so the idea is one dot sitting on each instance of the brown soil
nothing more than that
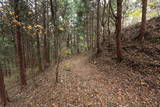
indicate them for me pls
(134, 82)
(82, 84)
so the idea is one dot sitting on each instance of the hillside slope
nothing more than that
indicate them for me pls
(141, 62)
(140, 56)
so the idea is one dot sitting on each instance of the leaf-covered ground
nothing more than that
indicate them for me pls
(103, 82)
(83, 84)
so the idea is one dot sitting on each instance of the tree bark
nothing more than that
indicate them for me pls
(68, 40)
(108, 23)
(143, 25)
(87, 32)
(92, 30)
(98, 26)
(48, 34)
(19, 47)
(103, 23)
(118, 29)
(78, 50)
(38, 42)
(3, 94)
(56, 35)
(45, 42)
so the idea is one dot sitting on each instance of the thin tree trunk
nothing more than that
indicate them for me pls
(75, 42)
(45, 50)
(3, 94)
(39, 54)
(92, 30)
(108, 23)
(19, 47)
(143, 25)
(98, 26)
(87, 28)
(24, 53)
(78, 50)
(103, 21)
(38, 43)
(54, 19)
(71, 43)
(118, 29)
(57, 42)
(68, 40)
(48, 34)
(90, 34)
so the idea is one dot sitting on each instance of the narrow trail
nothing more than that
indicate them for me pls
(81, 67)
(91, 84)
(84, 85)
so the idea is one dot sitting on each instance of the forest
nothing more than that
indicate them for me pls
(79, 53)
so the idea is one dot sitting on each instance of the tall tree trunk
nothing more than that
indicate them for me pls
(143, 25)
(118, 29)
(38, 42)
(57, 42)
(68, 40)
(48, 35)
(54, 20)
(45, 50)
(71, 47)
(87, 32)
(19, 46)
(3, 95)
(24, 53)
(78, 50)
(39, 54)
(108, 23)
(74, 47)
(98, 26)
(103, 20)
(109, 31)
(92, 30)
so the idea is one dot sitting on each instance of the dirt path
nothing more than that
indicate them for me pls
(81, 67)
(84, 85)
(89, 83)
(112, 86)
